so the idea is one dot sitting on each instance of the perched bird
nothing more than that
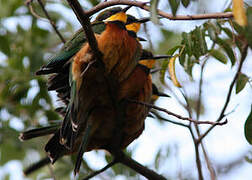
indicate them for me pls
(138, 87)
(148, 59)
(58, 66)
(77, 41)
(90, 112)
(90, 121)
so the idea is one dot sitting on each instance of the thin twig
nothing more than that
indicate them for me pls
(101, 170)
(143, 5)
(29, 4)
(187, 106)
(176, 115)
(131, 163)
(196, 147)
(198, 107)
(243, 56)
(167, 120)
(208, 162)
(51, 21)
(197, 155)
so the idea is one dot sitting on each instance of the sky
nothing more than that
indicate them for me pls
(223, 144)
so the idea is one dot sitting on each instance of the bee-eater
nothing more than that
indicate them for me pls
(90, 113)
(90, 97)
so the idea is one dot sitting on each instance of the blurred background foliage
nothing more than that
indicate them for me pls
(26, 43)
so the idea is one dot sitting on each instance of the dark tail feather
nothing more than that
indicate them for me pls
(82, 148)
(54, 149)
(58, 81)
(44, 71)
(61, 111)
(39, 132)
(37, 166)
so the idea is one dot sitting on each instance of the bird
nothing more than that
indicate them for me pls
(91, 113)
(148, 59)
(68, 137)
(137, 87)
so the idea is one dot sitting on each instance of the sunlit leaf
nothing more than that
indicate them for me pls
(217, 54)
(248, 128)
(171, 70)
(239, 12)
(241, 82)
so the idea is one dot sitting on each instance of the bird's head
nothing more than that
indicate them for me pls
(134, 24)
(116, 16)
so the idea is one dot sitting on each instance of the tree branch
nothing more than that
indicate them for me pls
(143, 5)
(101, 170)
(131, 163)
(222, 115)
(83, 18)
(167, 120)
(176, 115)
(51, 21)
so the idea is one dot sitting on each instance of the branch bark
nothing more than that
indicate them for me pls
(143, 5)
(83, 18)
(131, 163)
(101, 170)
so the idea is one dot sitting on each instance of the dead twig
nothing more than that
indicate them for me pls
(51, 21)
(176, 115)
(101, 170)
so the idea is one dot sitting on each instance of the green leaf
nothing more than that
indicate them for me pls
(217, 54)
(182, 56)
(228, 32)
(185, 3)
(154, 16)
(248, 29)
(241, 82)
(163, 70)
(212, 29)
(174, 6)
(239, 29)
(94, 2)
(202, 41)
(248, 128)
(196, 44)
(227, 49)
(188, 43)
(172, 50)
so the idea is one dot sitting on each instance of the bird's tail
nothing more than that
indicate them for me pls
(41, 163)
(54, 149)
(38, 132)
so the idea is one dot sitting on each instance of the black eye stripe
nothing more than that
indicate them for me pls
(107, 13)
